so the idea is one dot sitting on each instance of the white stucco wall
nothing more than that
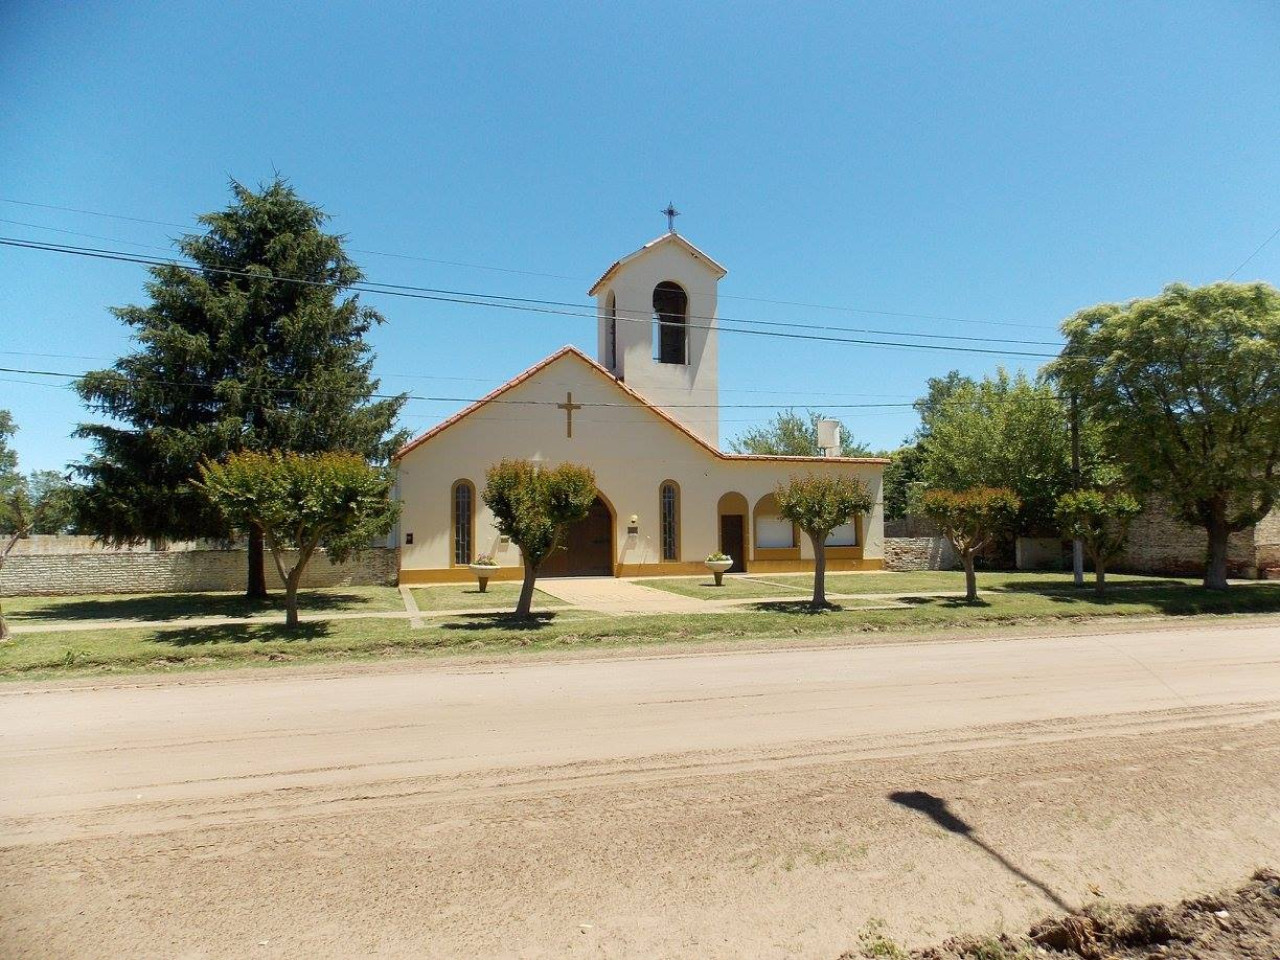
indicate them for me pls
(632, 451)
(674, 387)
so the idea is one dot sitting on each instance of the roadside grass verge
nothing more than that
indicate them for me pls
(178, 606)
(467, 596)
(38, 655)
(746, 586)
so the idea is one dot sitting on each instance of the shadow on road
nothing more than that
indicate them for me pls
(935, 808)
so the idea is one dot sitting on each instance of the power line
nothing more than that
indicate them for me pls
(559, 383)
(551, 276)
(1246, 260)
(646, 318)
(641, 418)
(629, 405)
(521, 304)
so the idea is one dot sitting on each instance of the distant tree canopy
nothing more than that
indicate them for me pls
(903, 481)
(1187, 387)
(43, 501)
(1008, 432)
(258, 346)
(792, 434)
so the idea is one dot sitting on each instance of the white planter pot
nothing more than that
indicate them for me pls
(718, 567)
(483, 572)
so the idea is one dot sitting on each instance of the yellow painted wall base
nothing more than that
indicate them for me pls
(457, 575)
(464, 575)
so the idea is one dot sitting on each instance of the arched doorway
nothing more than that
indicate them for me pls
(732, 510)
(588, 547)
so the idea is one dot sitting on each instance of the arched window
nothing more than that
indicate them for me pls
(611, 332)
(464, 522)
(670, 308)
(669, 514)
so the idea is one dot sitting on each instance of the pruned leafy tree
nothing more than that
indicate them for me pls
(791, 434)
(818, 504)
(260, 345)
(302, 502)
(1187, 385)
(971, 519)
(534, 506)
(1101, 519)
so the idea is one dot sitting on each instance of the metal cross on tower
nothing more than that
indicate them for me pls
(670, 213)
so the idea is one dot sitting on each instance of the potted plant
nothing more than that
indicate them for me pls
(718, 563)
(483, 567)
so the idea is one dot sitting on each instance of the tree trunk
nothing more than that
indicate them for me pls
(1215, 571)
(291, 600)
(1099, 576)
(525, 606)
(4, 626)
(819, 570)
(970, 577)
(256, 588)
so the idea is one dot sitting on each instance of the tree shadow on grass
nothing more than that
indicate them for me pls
(242, 633)
(945, 603)
(1068, 588)
(797, 607)
(176, 606)
(1179, 600)
(935, 808)
(538, 620)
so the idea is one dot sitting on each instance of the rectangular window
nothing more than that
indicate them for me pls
(773, 533)
(844, 536)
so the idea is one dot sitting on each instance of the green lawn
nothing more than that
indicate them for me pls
(467, 596)
(178, 606)
(926, 581)
(167, 647)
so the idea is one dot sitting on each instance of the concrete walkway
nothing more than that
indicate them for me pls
(613, 595)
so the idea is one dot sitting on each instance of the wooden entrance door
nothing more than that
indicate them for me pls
(733, 540)
(588, 547)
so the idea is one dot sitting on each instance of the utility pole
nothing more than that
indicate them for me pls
(1077, 545)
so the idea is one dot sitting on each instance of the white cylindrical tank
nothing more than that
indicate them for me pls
(829, 437)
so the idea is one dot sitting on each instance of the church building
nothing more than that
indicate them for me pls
(644, 416)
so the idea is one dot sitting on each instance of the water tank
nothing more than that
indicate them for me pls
(829, 437)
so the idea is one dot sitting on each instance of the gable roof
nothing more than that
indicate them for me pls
(572, 351)
(666, 238)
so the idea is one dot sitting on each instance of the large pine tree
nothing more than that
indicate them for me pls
(259, 346)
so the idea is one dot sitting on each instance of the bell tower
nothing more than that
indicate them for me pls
(657, 328)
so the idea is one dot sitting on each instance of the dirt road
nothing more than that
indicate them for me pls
(722, 805)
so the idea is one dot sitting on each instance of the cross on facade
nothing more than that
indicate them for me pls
(670, 213)
(568, 407)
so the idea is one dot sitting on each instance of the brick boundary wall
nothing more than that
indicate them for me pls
(918, 553)
(40, 573)
(1160, 543)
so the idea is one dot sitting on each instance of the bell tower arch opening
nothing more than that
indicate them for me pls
(670, 323)
(657, 329)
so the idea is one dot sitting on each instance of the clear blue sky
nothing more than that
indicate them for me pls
(992, 162)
